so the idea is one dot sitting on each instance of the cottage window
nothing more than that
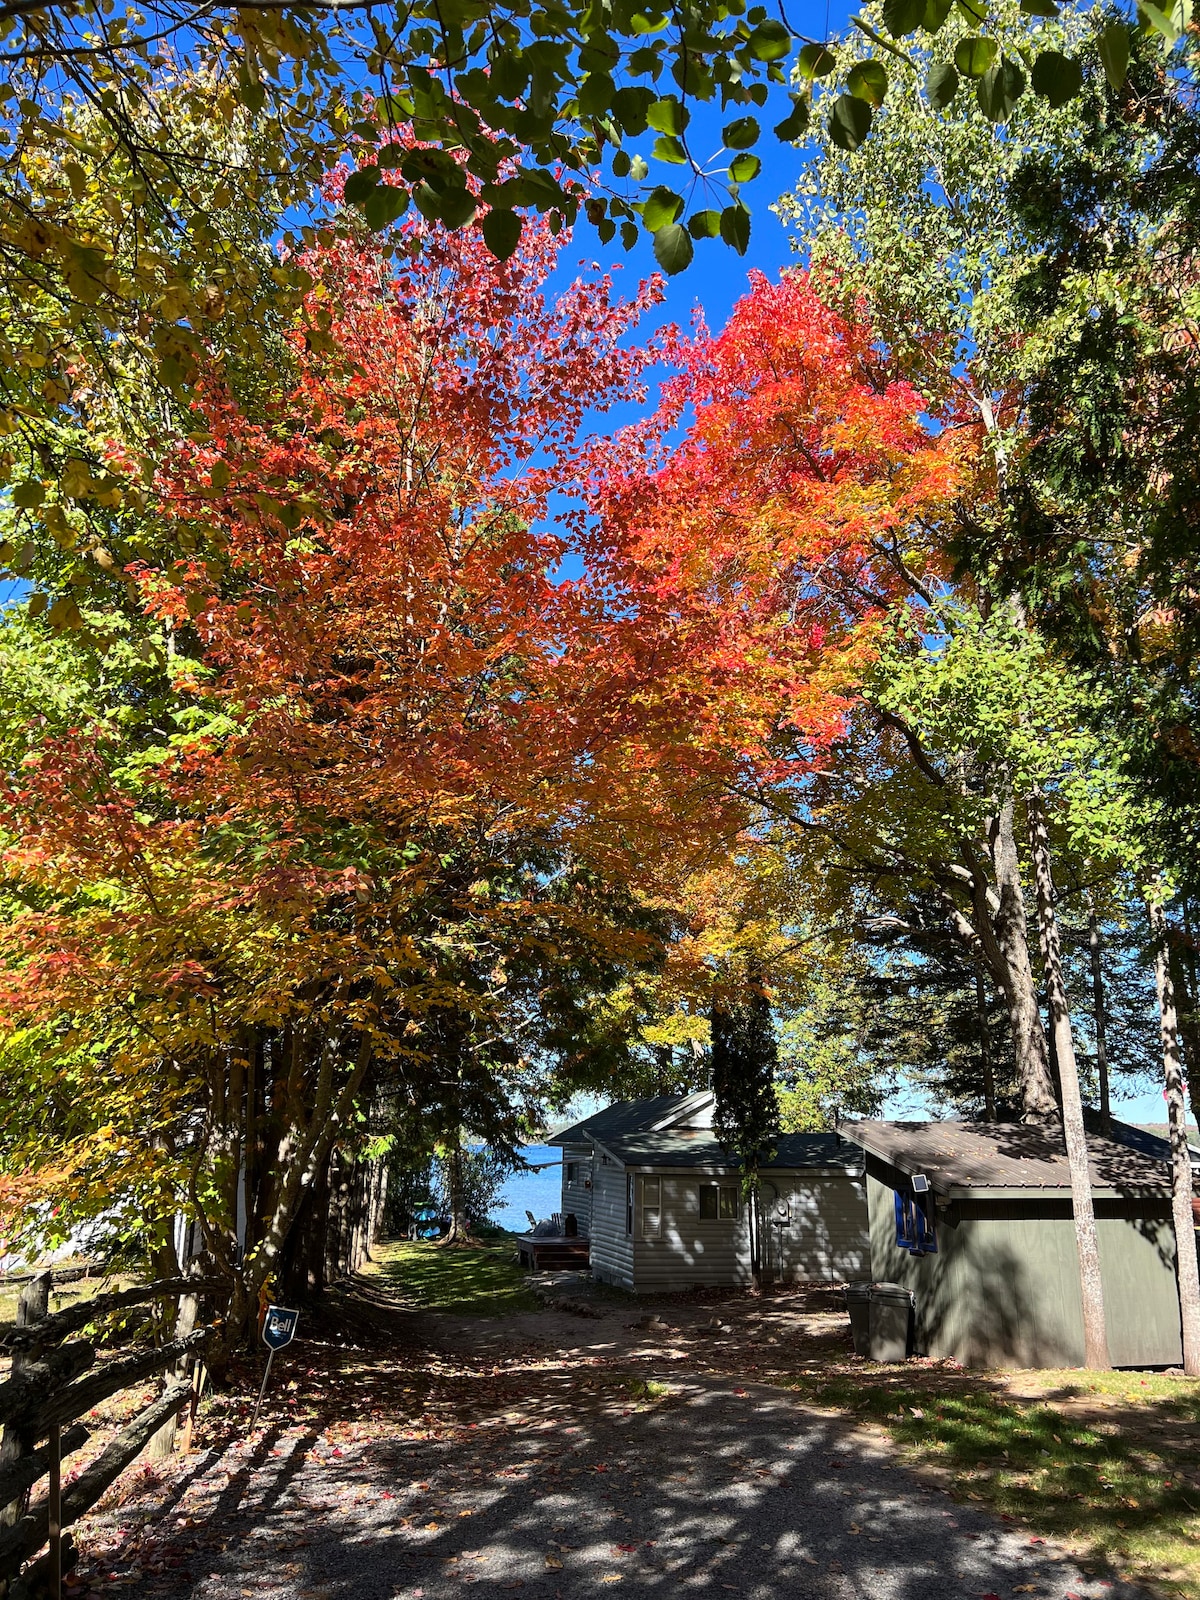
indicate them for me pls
(572, 1171)
(718, 1202)
(629, 1204)
(651, 1208)
(914, 1231)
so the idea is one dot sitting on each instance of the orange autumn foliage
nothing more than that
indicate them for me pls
(428, 799)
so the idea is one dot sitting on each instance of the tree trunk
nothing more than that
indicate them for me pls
(985, 1048)
(302, 1274)
(1098, 1016)
(162, 1443)
(1181, 947)
(460, 1225)
(1095, 1336)
(754, 1223)
(1181, 1161)
(1016, 974)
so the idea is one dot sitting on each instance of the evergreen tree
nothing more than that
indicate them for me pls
(744, 1066)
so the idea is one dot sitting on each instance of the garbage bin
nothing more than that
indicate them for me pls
(891, 1311)
(858, 1303)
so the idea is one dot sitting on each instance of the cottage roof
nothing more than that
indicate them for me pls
(624, 1116)
(1015, 1155)
(700, 1147)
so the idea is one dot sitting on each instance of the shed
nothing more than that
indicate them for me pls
(668, 1213)
(661, 1200)
(976, 1219)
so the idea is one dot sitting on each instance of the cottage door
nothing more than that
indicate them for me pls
(777, 1215)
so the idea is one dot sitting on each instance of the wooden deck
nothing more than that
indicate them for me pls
(552, 1252)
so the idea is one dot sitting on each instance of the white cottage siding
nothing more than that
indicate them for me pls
(577, 1194)
(825, 1238)
(611, 1246)
(690, 1251)
(827, 1235)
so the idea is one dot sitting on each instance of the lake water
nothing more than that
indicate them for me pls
(539, 1192)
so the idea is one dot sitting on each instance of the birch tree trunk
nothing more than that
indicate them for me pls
(1016, 975)
(1181, 1161)
(1095, 1336)
(985, 1048)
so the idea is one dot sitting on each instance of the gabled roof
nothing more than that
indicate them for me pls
(700, 1148)
(625, 1116)
(1015, 1155)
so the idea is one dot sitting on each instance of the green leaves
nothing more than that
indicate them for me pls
(1113, 45)
(867, 80)
(668, 116)
(631, 107)
(795, 125)
(501, 232)
(1163, 22)
(903, 16)
(744, 168)
(769, 41)
(661, 207)
(509, 73)
(974, 55)
(673, 248)
(849, 121)
(705, 225)
(735, 228)
(816, 61)
(740, 135)
(360, 184)
(27, 495)
(941, 85)
(670, 150)
(998, 91)
(385, 204)
(1056, 77)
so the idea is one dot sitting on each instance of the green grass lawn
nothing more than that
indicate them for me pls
(1104, 1463)
(481, 1281)
(65, 1294)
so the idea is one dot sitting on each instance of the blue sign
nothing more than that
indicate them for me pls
(279, 1327)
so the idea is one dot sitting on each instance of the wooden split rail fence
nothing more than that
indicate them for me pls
(54, 1381)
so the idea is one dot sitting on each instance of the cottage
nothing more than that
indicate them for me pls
(975, 1218)
(660, 1200)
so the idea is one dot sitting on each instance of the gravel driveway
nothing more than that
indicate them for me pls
(551, 1473)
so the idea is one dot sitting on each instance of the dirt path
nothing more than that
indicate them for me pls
(561, 1455)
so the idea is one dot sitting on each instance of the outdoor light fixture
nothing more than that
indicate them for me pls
(920, 1183)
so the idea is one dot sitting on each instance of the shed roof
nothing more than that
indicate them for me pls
(1015, 1155)
(700, 1147)
(623, 1116)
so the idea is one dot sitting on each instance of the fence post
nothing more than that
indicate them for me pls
(55, 1512)
(32, 1306)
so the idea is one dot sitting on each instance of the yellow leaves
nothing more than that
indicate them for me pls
(76, 479)
(174, 303)
(76, 177)
(65, 613)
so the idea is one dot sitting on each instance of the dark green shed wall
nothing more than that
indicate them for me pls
(1003, 1288)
